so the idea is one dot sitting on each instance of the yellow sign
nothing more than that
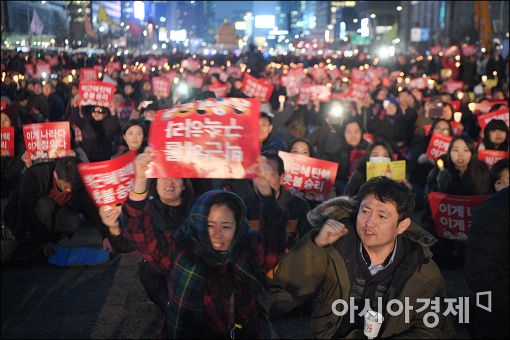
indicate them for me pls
(395, 170)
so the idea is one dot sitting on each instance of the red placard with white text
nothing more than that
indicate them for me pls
(311, 92)
(98, 68)
(161, 87)
(89, 74)
(195, 81)
(206, 139)
(452, 214)
(501, 114)
(315, 177)
(256, 88)
(418, 83)
(438, 145)
(191, 64)
(490, 157)
(47, 140)
(358, 89)
(485, 107)
(7, 142)
(109, 182)
(41, 68)
(170, 76)
(98, 93)
(220, 90)
(114, 66)
(453, 85)
(358, 75)
(318, 73)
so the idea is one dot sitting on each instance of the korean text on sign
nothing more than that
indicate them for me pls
(256, 88)
(452, 214)
(109, 182)
(7, 141)
(47, 140)
(96, 93)
(314, 177)
(206, 139)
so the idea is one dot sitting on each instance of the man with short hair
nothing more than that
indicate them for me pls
(269, 142)
(379, 260)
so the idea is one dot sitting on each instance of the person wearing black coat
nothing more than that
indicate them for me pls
(51, 199)
(487, 266)
(98, 129)
(167, 214)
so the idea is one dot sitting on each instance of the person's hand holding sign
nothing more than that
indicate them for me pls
(110, 217)
(141, 165)
(262, 182)
(330, 232)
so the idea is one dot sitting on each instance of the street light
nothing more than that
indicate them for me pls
(355, 21)
(372, 16)
(399, 8)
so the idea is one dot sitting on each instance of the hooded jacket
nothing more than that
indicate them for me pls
(204, 285)
(324, 275)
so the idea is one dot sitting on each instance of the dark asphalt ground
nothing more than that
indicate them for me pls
(108, 301)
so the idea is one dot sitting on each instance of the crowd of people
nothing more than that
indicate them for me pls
(220, 253)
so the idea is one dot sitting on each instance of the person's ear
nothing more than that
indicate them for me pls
(403, 225)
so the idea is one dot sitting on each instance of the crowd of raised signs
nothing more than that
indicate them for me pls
(350, 118)
(72, 125)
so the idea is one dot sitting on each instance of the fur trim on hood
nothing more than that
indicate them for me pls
(342, 207)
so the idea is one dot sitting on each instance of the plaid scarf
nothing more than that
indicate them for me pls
(203, 279)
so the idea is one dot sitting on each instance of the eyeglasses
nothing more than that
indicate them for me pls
(99, 110)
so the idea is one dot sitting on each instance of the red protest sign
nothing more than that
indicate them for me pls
(47, 140)
(438, 145)
(220, 90)
(89, 74)
(314, 176)
(426, 129)
(418, 83)
(358, 89)
(318, 73)
(151, 61)
(170, 75)
(206, 139)
(234, 71)
(3, 105)
(109, 182)
(456, 105)
(292, 82)
(7, 149)
(161, 87)
(98, 68)
(43, 70)
(255, 88)
(195, 81)
(97, 93)
(490, 157)
(452, 214)
(214, 70)
(311, 92)
(453, 85)
(484, 119)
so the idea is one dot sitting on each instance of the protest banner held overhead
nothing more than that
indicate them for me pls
(213, 138)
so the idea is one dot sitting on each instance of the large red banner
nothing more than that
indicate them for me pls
(96, 93)
(490, 157)
(206, 139)
(47, 140)
(161, 87)
(501, 114)
(311, 92)
(7, 149)
(438, 145)
(89, 74)
(314, 177)
(452, 214)
(255, 88)
(220, 90)
(109, 182)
